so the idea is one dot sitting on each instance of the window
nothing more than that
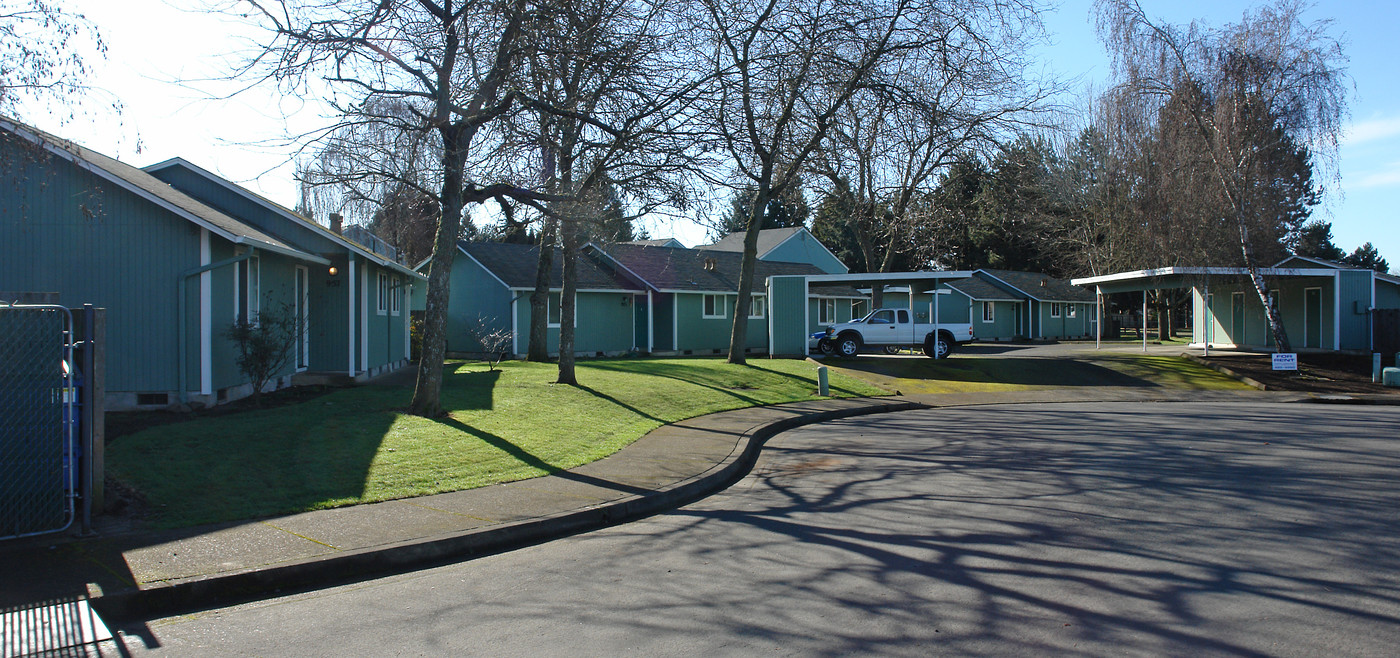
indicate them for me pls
(383, 305)
(989, 312)
(826, 311)
(858, 308)
(903, 316)
(395, 296)
(248, 297)
(1071, 310)
(713, 306)
(885, 316)
(554, 309)
(1054, 309)
(757, 306)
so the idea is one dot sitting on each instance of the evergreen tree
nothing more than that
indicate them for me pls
(1369, 257)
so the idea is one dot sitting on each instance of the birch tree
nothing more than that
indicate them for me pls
(1265, 79)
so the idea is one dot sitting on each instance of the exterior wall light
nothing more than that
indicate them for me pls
(334, 271)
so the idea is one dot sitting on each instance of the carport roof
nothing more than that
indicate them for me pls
(1184, 277)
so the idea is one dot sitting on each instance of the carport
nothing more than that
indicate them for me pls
(1310, 301)
(788, 318)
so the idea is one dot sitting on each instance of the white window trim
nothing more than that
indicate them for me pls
(854, 304)
(548, 307)
(826, 311)
(721, 302)
(1054, 309)
(759, 301)
(395, 296)
(989, 312)
(1072, 311)
(382, 298)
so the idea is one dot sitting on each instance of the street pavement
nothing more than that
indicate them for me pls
(1125, 528)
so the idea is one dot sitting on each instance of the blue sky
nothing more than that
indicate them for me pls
(151, 43)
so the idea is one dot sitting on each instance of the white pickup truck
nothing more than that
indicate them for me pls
(891, 329)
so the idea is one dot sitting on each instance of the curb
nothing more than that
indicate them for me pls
(364, 564)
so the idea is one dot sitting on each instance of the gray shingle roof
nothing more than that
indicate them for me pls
(767, 240)
(515, 264)
(666, 268)
(147, 185)
(1042, 287)
(982, 291)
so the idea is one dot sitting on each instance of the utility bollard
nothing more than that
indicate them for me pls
(1376, 368)
(823, 387)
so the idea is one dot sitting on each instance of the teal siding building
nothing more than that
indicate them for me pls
(356, 307)
(172, 272)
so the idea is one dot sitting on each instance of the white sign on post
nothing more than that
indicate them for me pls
(1286, 361)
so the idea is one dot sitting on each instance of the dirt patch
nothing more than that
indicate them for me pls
(1317, 373)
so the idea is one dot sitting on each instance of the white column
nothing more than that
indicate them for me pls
(1205, 313)
(651, 324)
(206, 318)
(350, 314)
(1144, 320)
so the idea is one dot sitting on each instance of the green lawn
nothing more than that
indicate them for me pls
(353, 446)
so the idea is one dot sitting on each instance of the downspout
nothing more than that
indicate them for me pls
(180, 287)
(1098, 315)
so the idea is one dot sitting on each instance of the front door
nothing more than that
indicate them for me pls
(1312, 317)
(639, 323)
(1237, 318)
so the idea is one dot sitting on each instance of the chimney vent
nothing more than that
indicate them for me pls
(337, 223)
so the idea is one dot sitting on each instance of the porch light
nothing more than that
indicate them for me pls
(334, 271)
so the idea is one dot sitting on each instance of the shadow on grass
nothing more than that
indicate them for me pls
(468, 391)
(678, 372)
(604, 396)
(534, 461)
(812, 380)
(1011, 370)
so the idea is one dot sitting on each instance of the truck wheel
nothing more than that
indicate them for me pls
(891, 349)
(940, 347)
(847, 346)
(825, 346)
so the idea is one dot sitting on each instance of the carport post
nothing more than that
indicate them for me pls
(1098, 312)
(1205, 326)
(1143, 325)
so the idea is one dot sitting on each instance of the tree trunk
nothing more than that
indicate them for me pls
(738, 337)
(427, 390)
(538, 350)
(569, 227)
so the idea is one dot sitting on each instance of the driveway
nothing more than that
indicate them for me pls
(1115, 529)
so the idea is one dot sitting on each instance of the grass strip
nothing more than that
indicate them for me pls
(355, 446)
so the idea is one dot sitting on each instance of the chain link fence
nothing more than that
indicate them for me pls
(38, 460)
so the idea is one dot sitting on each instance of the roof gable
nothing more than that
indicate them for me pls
(1310, 262)
(1040, 287)
(768, 240)
(982, 290)
(287, 224)
(148, 187)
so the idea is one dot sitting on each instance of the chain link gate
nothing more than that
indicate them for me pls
(38, 417)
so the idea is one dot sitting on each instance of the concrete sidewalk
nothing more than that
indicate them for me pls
(135, 575)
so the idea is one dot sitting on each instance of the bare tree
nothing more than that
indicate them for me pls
(1244, 89)
(783, 69)
(42, 47)
(432, 74)
(962, 92)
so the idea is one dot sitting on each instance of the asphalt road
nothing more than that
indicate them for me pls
(1073, 529)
